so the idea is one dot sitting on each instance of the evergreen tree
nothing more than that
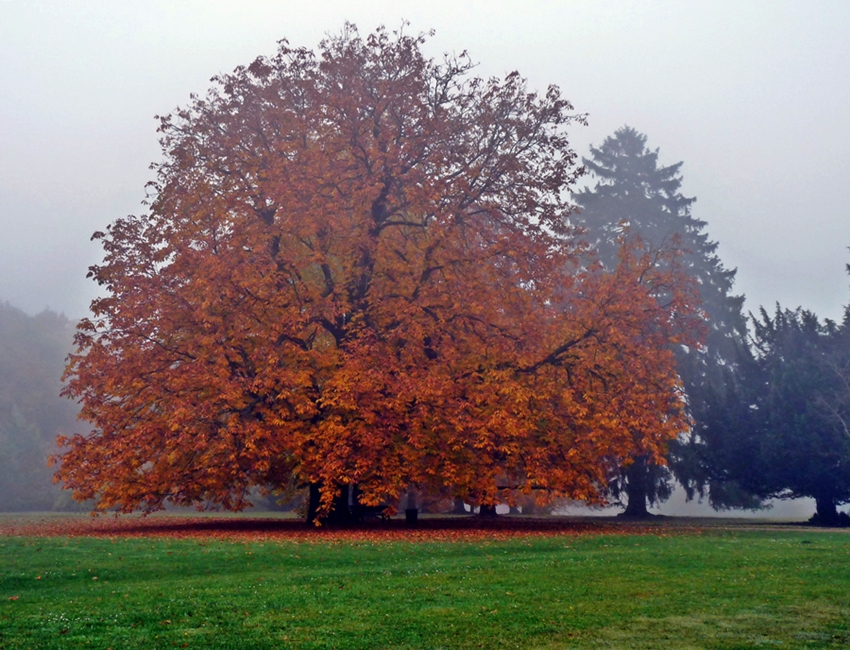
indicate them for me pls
(634, 195)
(792, 432)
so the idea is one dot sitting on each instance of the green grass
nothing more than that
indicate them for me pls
(718, 589)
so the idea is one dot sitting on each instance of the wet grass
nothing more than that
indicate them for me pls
(668, 588)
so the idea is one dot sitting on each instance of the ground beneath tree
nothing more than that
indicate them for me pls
(428, 529)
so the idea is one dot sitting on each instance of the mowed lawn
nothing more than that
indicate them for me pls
(592, 587)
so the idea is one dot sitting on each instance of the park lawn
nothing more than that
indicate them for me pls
(667, 588)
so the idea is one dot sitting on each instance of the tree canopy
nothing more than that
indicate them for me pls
(357, 269)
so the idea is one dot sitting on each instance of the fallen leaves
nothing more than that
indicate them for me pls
(447, 529)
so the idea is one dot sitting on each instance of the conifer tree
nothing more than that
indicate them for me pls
(634, 195)
(792, 434)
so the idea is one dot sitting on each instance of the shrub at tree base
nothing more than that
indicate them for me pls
(356, 270)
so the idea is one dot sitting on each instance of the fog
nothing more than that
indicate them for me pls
(679, 506)
(752, 96)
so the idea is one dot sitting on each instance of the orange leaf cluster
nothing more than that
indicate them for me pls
(358, 270)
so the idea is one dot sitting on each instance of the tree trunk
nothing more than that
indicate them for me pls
(459, 507)
(827, 511)
(411, 513)
(313, 503)
(637, 477)
(487, 511)
(341, 513)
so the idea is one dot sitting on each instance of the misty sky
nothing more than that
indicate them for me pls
(754, 97)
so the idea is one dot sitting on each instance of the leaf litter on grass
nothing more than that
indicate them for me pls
(447, 529)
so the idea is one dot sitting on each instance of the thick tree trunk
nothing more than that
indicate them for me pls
(411, 513)
(341, 513)
(459, 507)
(827, 511)
(637, 477)
(312, 503)
(487, 511)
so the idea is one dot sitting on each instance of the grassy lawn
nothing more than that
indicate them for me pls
(667, 588)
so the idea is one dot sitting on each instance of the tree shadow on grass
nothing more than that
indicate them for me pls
(447, 528)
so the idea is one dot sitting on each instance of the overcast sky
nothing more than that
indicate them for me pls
(754, 97)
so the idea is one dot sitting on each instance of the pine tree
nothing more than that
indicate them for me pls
(634, 195)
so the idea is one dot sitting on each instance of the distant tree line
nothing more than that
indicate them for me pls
(32, 357)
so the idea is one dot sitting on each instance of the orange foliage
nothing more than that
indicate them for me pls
(357, 269)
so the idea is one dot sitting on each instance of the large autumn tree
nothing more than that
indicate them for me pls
(634, 193)
(357, 271)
